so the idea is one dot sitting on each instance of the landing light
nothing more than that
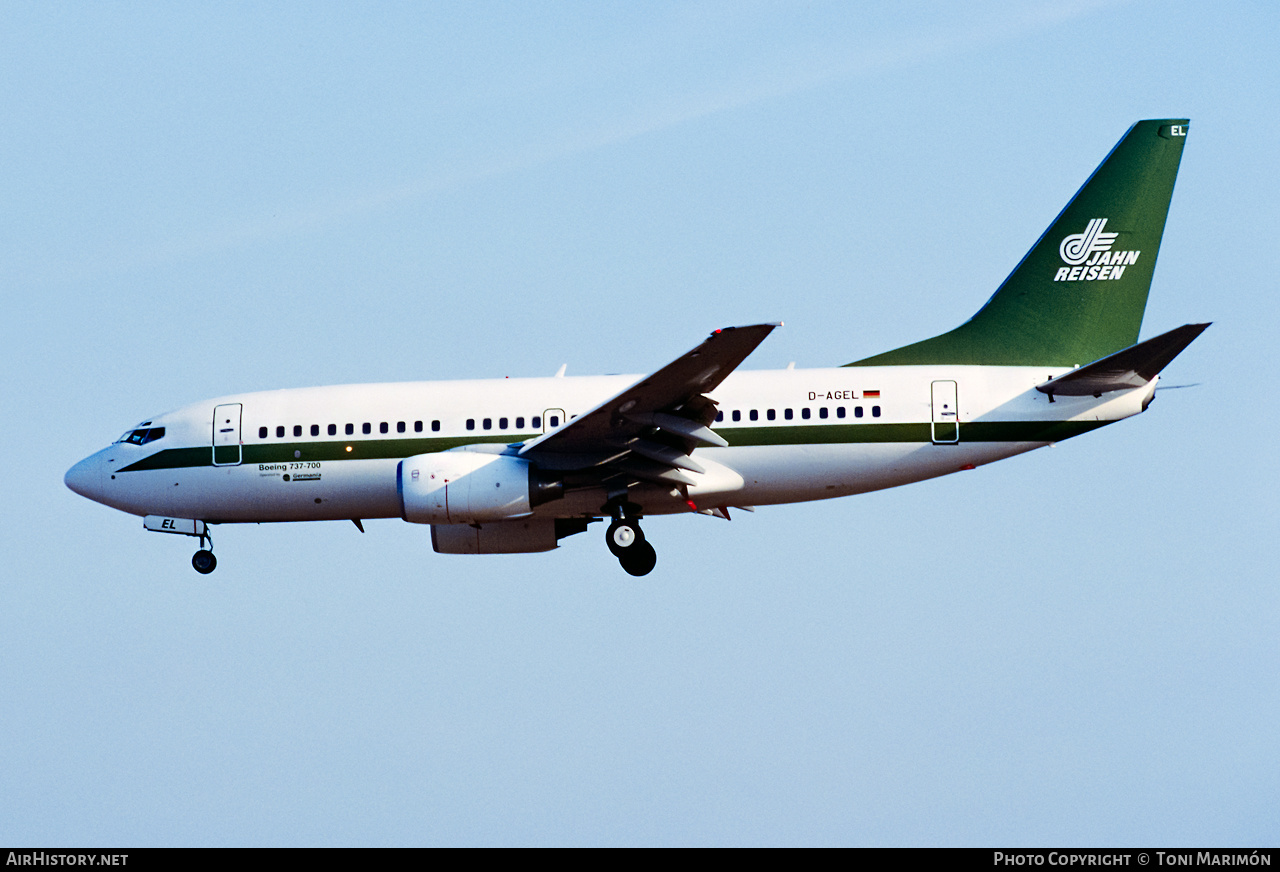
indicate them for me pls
(348, 447)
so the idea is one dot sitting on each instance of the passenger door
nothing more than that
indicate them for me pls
(226, 434)
(946, 413)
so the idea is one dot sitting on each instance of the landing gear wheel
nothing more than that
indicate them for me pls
(204, 562)
(622, 537)
(639, 559)
(626, 540)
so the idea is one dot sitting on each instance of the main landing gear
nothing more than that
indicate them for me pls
(627, 543)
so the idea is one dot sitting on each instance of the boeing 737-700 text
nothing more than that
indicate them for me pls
(516, 465)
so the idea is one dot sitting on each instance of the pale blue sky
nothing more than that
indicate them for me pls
(1078, 646)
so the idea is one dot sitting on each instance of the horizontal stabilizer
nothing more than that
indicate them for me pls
(1128, 368)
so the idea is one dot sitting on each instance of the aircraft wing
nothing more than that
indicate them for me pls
(1128, 368)
(648, 431)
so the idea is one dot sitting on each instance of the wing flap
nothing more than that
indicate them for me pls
(682, 427)
(648, 431)
(664, 454)
(652, 471)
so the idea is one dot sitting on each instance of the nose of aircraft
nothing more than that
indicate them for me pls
(85, 478)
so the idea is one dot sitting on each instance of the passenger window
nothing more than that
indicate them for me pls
(519, 423)
(333, 429)
(755, 415)
(737, 414)
(822, 413)
(280, 432)
(554, 421)
(351, 429)
(383, 428)
(315, 429)
(857, 411)
(839, 411)
(297, 430)
(771, 415)
(719, 417)
(787, 413)
(399, 426)
(471, 423)
(875, 411)
(262, 432)
(805, 413)
(435, 426)
(502, 423)
(488, 423)
(366, 428)
(417, 426)
(535, 422)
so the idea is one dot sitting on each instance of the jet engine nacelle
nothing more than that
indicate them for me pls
(466, 487)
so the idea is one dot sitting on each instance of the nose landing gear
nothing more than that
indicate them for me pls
(204, 562)
(626, 542)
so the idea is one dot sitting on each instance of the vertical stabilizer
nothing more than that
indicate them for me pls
(1079, 293)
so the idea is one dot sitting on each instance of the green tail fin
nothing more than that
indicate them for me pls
(1079, 293)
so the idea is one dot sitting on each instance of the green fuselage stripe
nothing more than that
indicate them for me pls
(825, 434)
(976, 431)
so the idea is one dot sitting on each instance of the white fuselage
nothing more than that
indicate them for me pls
(794, 435)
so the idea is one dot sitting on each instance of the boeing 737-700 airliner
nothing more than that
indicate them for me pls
(516, 465)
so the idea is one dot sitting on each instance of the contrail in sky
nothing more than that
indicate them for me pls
(808, 67)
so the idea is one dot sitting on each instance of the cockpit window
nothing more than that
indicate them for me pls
(143, 435)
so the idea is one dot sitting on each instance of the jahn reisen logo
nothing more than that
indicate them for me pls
(1090, 256)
